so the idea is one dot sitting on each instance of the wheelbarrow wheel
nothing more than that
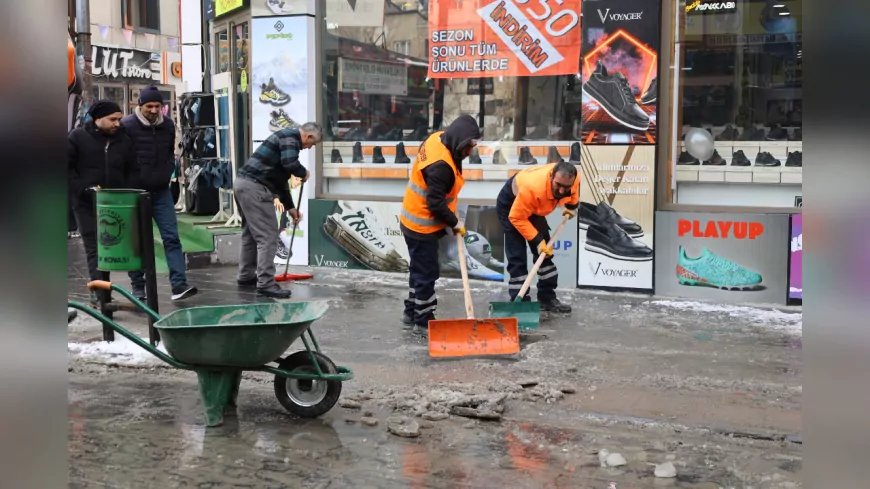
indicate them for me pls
(307, 398)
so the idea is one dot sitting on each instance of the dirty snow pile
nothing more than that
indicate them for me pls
(119, 352)
(471, 400)
(770, 318)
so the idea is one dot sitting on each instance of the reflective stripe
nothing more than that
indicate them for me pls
(423, 192)
(545, 276)
(547, 268)
(421, 312)
(519, 279)
(514, 188)
(423, 303)
(515, 286)
(419, 220)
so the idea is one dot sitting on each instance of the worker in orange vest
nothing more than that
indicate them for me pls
(429, 209)
(522, 207)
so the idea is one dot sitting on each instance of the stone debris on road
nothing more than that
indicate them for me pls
(666, 470)
(349, 404)
(403, 426)
(368, 421)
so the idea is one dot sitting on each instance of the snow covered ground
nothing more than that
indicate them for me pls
(119, 352)
(768, 318)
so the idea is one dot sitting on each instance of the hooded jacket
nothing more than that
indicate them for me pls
(95, 158)
(439, 175)
(155, 149)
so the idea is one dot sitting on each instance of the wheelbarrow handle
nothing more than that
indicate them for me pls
(541, 257)
(104, 285)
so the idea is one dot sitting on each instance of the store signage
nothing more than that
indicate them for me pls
(112, 63)
(530, 39)
(175, 68)
(746, 261)
(605, 15)
(796, 255)
(699, 6)
(371, 77)
(222, 7)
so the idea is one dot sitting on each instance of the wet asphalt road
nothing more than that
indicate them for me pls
(718, 396)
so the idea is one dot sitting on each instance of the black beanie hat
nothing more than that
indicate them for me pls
(102, 108)
(150, 94)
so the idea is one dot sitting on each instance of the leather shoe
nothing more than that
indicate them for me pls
(275, 292)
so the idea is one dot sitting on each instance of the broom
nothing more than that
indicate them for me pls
(284, 277)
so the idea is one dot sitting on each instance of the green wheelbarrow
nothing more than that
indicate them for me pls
(220, 342)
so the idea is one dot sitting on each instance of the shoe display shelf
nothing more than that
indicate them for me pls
(752, 174)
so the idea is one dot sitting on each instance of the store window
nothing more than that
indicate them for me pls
(141, 14)
(117, 94)
(738, 75)
(222, 51)
(382, 97)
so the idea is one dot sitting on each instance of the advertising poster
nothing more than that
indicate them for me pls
(619, 69)
(616, 216)
(280, 84)
(796, 259)
(503, 38)
(366, 236)
(722, 257)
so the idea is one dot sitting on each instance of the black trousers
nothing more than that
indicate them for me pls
(71, 224)
(86, 215)
(424, 271)
(515, 250)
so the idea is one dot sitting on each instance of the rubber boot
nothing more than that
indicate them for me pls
(526, 157)
(357, 153)
(378, 156)
(553, 155)
(575, 154)
(336, 156)
(474, 159)
(401, 157)
(498, 159)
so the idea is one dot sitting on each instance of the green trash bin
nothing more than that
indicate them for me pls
(119, 246)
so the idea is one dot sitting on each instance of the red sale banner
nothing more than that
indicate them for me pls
(484, 38)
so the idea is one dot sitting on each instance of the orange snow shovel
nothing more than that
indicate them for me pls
(472, 336)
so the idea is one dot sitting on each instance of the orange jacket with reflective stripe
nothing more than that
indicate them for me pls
(534, 196)
(415, 213)
(70, 64)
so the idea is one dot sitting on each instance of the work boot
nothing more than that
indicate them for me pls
(407, 321)
(139, 292)
(275, 292)
(574, 158)
(526, 157)
(182, 292)
(357, 153)
(336, 156)
(498, 159)
(555, 305)
(474, 159)
(401, 157)
(378, 156)
(553, 155)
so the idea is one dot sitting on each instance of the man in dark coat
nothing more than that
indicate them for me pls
(154, 140)
(99, 155)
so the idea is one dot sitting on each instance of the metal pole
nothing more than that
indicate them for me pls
(83, 48)
(146, 243)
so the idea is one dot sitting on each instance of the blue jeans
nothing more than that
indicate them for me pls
(163, 209)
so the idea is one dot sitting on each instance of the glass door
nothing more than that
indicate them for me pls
(241, 61)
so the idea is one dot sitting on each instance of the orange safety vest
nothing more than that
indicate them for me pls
(71, 65)
(415, 214)
(534, 196)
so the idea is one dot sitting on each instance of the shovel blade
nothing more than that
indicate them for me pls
(473, 337)
(527, 313)
(286, 277)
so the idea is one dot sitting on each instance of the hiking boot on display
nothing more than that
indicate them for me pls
(526, 157)
(498, 158)
(714, 271)
(359, 233)
(764, 158)
(729, 134)
(612, 241)
(357, 153)
(335, 157)
(139, 292)
(687, 159)
(602, 214)
(271, 94)
(553, 155)
(715, 159)
(795, 158)
(274, 291)
(574, 158)
(378, 155)
(183, 291)
(777, 133)
(740, 159)
(555, 305)
(613, 94)
(651, 94)
(401, 157)
(280, 120)
(796, 135)
(474, 159)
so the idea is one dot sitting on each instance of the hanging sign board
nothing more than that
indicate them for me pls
(223, 7)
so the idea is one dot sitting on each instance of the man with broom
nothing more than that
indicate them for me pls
(522, 206)
(429, 209)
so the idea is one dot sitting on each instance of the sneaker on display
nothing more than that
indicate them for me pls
(359, 233)
(715, 160)
(777, 133)
(271, 94)
(612, 241)
(740, 159)
(613, 94)
(712, 270)
(651, 94)
(476, 269)
(687, 159)
(280, 120)
(730, 133)
(763, 158)
(602, 214)
(795, 158)
(478, 246)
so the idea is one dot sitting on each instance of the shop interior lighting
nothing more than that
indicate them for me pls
(784, 13)
(628, 37)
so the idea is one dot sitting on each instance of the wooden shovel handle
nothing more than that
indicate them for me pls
(463, 268)
(541, 256)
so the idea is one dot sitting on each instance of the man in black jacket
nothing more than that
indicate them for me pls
(99, 155)
(154, 139)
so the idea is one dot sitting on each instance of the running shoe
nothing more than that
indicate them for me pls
(359, 233)
(613, 93)
(271, 94)
(478, 246)
(280, 120)
(476, 269)
(712, 270)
